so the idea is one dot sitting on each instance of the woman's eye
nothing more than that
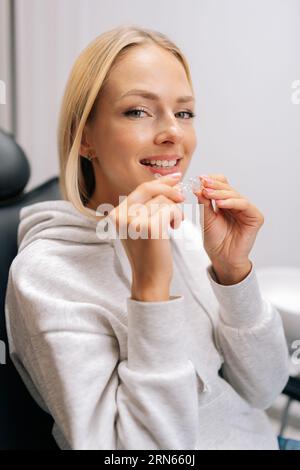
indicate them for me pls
(136, 110)
(190, 114)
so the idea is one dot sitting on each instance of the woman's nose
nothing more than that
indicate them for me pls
(170, 129)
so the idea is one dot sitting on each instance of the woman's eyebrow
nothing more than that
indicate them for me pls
(152, 96)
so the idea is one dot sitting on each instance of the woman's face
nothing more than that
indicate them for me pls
(119, 137)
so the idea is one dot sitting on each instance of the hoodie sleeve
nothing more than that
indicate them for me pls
(251, 336)
(72, 356)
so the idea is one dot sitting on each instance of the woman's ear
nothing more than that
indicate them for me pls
(86, 142)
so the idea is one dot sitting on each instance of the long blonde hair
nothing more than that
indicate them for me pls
(88, 76)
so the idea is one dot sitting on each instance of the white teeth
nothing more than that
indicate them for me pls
(164, 163)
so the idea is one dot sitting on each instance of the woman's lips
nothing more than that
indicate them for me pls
(163, 170)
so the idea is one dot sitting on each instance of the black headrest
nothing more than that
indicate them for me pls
(15, 170)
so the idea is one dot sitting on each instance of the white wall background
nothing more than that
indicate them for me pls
(244, 56)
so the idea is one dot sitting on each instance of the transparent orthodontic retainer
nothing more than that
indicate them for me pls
(192, 184)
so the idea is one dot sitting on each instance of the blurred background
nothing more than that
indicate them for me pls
(245, 62)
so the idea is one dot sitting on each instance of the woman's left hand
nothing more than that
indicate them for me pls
(230, 230)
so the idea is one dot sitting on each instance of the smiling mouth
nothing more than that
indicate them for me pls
(160, 169)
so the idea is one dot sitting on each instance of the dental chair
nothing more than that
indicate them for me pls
(23, 424)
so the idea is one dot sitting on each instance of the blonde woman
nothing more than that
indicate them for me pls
(142, 343)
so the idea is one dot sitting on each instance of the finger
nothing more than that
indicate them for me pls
(240, 204)
(156, 225)
(168, 214)
(253, 215)
(143, 193)
(209, 212)
(155, 204)
(150, 189)
(150, 207)
(220, 193)
(214, 183)
(201, 197)
(217, 176)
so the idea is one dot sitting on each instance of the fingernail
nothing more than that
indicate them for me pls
(175, 175)
(207, 178)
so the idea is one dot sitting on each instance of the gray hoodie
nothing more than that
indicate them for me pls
(194, 372)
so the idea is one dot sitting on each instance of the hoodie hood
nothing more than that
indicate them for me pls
(58, 220)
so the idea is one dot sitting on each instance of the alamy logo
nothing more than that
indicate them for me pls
(2, 352)
(130, 225)
(2, 92)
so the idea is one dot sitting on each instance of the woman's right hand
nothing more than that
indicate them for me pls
(150, 258)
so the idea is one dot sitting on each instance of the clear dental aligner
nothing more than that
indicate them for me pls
(192, 184)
